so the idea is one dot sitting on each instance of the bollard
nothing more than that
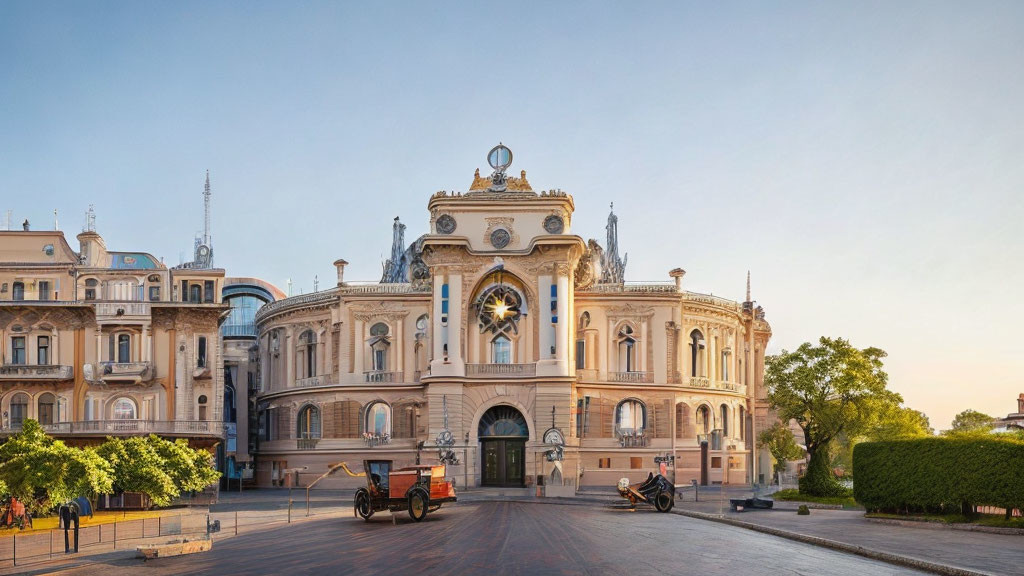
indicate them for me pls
(289, 510)
(236, 522)
(696, 489)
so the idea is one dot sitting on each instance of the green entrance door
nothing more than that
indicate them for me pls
(503, 433)
(504, 462)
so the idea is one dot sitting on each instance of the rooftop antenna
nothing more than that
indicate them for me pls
(7, 221)
(56, 225)
(206, 209)
(289, 287)
(90, 219)
(748, 286)
(316, 283)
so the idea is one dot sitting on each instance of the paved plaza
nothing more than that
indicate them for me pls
(508, 538)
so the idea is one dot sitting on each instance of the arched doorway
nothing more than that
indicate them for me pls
(503, 433)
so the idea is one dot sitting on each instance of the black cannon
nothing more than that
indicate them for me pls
(656, 490)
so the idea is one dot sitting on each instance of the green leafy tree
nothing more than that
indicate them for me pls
(162, 469)
(43, 472)
(829, 389)
(892, 423)
(779, 441)
(970, 421)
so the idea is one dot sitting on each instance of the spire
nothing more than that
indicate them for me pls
(748, 287)
(395, 266)
(613, 268)
(206, 210)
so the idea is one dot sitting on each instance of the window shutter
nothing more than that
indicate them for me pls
(662, 420)
(350, 422)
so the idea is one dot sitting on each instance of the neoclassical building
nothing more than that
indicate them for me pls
(504, 343)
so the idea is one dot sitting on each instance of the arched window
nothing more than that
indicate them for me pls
(378, 419)
(307, 344)
(124, 409)
(309, 422)
(43, 350)
(19, 409)
(627, 349)
(725, 420)
(124, 348)
(46, 405)
(501, 350)
(202, 407)
(696, 360)
(630, 418)
(18, 291)
(682, 420)
(499, 309)
(195, 293)
(703, 420)
(742, 423)
(380, 343)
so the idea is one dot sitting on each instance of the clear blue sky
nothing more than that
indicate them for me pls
(864, 161)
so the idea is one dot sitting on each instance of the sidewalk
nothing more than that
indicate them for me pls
(930, 547)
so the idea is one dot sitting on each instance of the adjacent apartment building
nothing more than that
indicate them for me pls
(96, 342)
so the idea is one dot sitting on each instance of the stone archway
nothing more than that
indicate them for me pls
(503, 432)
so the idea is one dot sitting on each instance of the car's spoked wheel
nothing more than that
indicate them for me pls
(363, 507)
(418, 503)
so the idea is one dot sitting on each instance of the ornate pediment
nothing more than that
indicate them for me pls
(630, 312)
(375, 310)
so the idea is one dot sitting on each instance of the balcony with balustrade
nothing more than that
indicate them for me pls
(501, 370)
(125, 372)
(101, 428)
(383, 377)
(631, 377)
(36, 372)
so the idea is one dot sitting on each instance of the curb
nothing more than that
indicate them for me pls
(944, 526)
(896, 559)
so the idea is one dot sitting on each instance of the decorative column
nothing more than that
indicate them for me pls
(400, 347)
(562, 328)
(455, 309)
(358, 349)
(289, 356)
(437, 338)
(545, 338)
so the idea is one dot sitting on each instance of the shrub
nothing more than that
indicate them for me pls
(939, 474)
(803, 510)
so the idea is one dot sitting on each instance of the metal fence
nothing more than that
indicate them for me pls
(40, 546)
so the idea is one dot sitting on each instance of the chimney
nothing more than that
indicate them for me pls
(1020, 404)
(678, 274)
(340, 265)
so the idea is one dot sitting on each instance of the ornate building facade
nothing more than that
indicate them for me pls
(98, 343)
(509, 347)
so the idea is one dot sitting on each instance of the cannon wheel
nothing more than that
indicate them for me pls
(362, 504)
(419, 502)
(663, 501)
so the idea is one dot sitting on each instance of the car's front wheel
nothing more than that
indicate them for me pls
(362, 504)
(418, 504)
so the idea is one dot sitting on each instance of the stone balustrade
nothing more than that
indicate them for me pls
(631, 377)
(501, 370)
(36, 372)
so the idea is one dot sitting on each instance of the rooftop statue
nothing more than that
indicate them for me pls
(613, 268)
(406, 263)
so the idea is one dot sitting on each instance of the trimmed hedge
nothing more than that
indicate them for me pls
(939, 473)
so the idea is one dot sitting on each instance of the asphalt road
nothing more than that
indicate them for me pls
(497, 538)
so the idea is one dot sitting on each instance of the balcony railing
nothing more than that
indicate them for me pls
(372, 440)
(699, 382)
(382, 376)
(133, 372)
(36, 372)
(115, 309)
(501, 370)
(632, 438)
(634, 377)
(311, 381)
(306, 443)
(113, 427)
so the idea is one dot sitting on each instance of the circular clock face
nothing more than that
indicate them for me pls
(500, 238)
(554, 224)
(445, 224)
(500, 157)
(554, 436)
(203, 250)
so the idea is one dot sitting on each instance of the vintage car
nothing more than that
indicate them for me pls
(418, 489)
(655, 490)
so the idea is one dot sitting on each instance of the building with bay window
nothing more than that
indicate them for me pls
(506, 342)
